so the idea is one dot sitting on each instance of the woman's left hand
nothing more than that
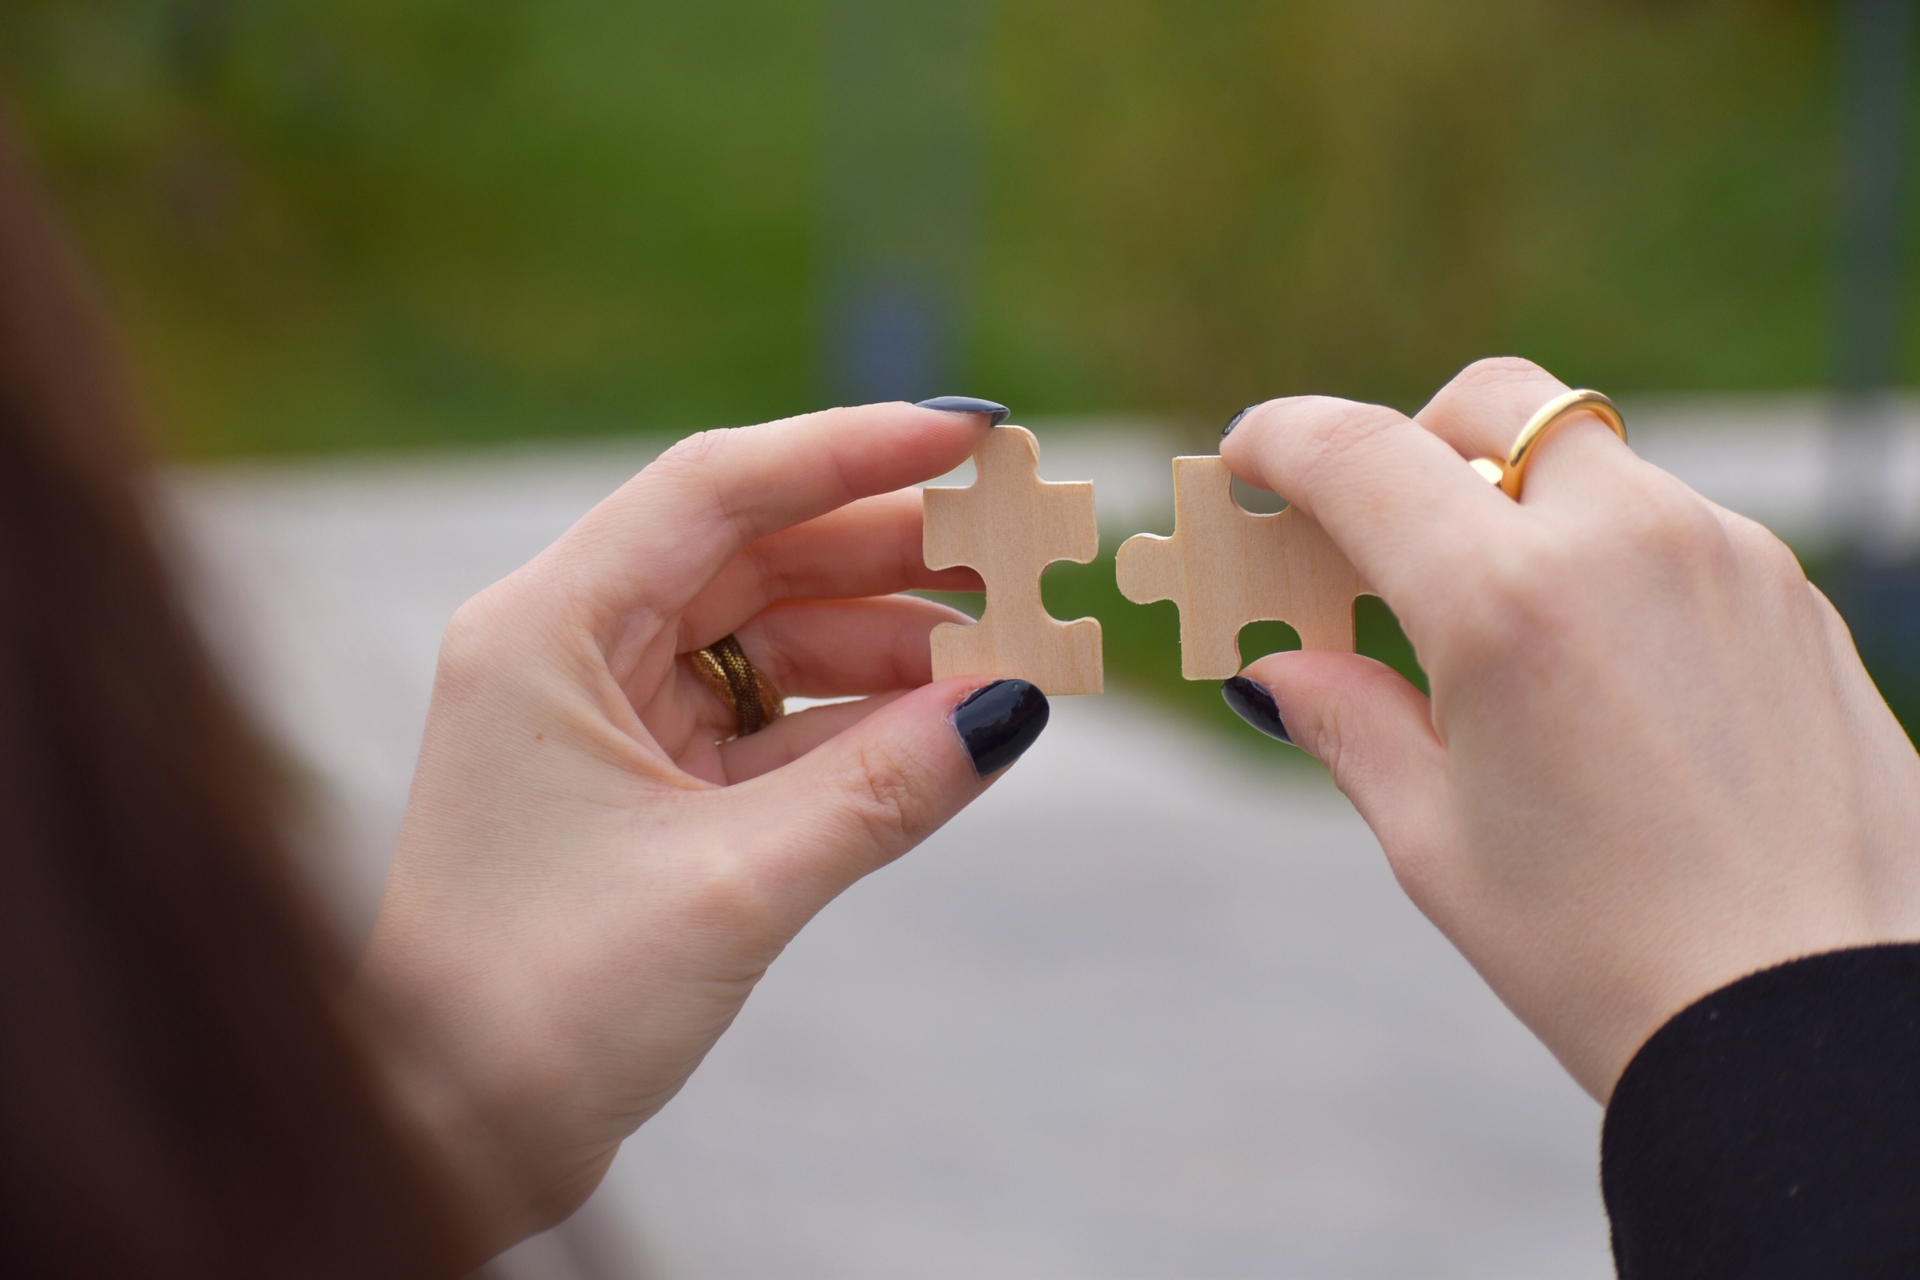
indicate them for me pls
(592, 875)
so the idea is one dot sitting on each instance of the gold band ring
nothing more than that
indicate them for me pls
(752, 698)
(1512, 473)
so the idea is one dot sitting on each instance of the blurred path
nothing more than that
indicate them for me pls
(1143, 1011)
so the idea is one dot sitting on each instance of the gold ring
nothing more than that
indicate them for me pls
(1509, 475)
(752, 698)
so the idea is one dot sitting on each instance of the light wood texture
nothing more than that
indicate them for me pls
(1009, 524)
(1225, 567)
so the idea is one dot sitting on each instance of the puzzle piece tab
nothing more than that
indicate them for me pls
(1226, 567)
(1010, 525)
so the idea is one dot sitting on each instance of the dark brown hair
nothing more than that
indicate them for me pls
(179, 1093)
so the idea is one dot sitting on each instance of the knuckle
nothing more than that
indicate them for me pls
(1420, 869)
(885, 800)
(1782, 568)
(1340, 430)
(730, 889)
(694, 453)
(1475, 410)
(1490, 371)
(468, 644)
(1839, 635)
(697, 466)
(1517, 609)
(1514, 592)
(1754, 541)
(1668, 523)
(1331, 746)
(1522, 595)
(1485, 380)
(1672, 534)
(1288, 443)
(494, 640)
(729, 893)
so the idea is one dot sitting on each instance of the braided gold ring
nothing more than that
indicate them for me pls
(723, 667)
(1512, 473)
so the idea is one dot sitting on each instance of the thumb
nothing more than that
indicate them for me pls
(1374, 733)
(882, 785)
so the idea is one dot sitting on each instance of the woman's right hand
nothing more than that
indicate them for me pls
(1652, 762)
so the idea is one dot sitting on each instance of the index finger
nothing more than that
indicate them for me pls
(663, 535)
(1405, 508)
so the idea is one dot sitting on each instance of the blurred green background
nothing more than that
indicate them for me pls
(351, 224)
(354, 223)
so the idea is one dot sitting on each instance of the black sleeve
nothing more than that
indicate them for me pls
(1773, 1129)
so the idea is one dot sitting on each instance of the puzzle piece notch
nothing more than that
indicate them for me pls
(1009, 525)
(1225, 567)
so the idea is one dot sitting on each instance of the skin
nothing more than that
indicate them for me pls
(1652, 762)
(590, 878)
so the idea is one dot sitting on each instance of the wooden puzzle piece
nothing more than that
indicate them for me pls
(1226, 567)
(1010, 525)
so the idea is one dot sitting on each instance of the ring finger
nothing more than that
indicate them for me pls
(814, 649)
(1482, 410)
(843, 648)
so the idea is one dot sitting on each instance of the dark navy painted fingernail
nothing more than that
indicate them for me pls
(1252, 703)
(999, 722)
(1228, 429)
(967, 404)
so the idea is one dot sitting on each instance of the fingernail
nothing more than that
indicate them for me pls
(1254, 704)
(999, 722)
(967, 404)
(1228, 430)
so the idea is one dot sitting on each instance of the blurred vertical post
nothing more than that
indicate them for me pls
(1875, 70)
(902, 118)
(1878, 589)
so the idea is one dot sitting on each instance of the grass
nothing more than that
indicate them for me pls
(350, 224)
(338, 224)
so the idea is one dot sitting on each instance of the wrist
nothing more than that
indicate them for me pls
(475, 1103)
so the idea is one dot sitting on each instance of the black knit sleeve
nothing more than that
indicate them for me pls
(1773, 1128)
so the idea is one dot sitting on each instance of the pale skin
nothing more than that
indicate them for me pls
(1651, 764)
(589, 880)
